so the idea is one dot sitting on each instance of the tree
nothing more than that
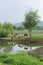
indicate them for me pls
(14, 27)
(20, 28)
(31, 20)
(8, 27)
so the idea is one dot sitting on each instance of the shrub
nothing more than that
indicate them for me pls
(21, 58)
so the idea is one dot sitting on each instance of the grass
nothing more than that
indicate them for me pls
(21, 58)
(37, 39)
(37, 36)
(34, 37)
(26, 31)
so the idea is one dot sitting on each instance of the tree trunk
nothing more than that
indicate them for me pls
(30, 33)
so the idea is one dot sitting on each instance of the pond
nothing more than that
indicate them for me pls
(12, 49)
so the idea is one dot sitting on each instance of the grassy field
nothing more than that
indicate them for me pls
(21, 58)
(36, 34)
(26, 31)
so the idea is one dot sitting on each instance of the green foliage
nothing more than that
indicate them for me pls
(14, 27)
(31, 20)
(20, 28)
(19, 59)
(6, 29)
(39, 27)
(3, 33)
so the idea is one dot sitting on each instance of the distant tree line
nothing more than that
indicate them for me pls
(38, 28)
(18, 27)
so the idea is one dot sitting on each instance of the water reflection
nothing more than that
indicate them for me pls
(15, 48)
(2, 50)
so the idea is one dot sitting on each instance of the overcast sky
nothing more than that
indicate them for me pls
(14, 10)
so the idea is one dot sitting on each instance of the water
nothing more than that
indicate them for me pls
(12, 49)
(16, 49)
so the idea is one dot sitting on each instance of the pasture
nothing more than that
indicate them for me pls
(26, 31)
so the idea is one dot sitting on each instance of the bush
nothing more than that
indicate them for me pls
(19, 59)
(6, 29)
(7, 60)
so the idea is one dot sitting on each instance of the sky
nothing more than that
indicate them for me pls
(13, 10)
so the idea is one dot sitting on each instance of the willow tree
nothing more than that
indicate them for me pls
(31, 20)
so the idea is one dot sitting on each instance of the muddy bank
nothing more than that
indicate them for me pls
(24, 41)
(31, 42)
